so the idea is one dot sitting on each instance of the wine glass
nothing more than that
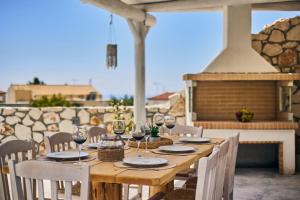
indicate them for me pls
(138, 136)
(158, 119)
(170, 122)
(79, 137)
(119, 127)
(146, 129)
(129, 135)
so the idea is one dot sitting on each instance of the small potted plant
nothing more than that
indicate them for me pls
(154, 133)
(244, 115)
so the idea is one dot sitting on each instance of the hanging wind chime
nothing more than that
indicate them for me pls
(111, 48)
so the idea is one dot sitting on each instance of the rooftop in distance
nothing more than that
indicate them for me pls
(23, 93)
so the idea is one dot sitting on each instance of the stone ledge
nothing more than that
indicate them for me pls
(242, 76)
(276, 125)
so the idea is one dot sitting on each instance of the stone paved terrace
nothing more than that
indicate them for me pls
(259, 184)
(265, 184)
(262, 184)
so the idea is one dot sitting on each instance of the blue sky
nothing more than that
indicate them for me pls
(64, 41)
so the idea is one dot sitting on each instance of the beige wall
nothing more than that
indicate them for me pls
(2, 98)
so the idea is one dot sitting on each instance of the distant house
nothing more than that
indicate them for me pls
(84, 95)
(2, 96)
(160, 99)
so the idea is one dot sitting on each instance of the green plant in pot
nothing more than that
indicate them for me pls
(154, 130)
(244, 115)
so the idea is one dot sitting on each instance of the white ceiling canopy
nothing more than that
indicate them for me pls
(193, 5)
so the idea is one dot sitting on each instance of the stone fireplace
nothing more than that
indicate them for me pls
(237, 78)
(212, 99)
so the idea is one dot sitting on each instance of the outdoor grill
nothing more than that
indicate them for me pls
(240, 78)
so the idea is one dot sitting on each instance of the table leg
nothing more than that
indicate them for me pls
(106, 191)
(280, 158)
(163, 188)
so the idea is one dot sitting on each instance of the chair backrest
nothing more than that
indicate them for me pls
(207, 170)
(58, 142)
(230, 166)
(221, 169)
(94, 134)
(183, 130)
(18, 150)
(35, 170)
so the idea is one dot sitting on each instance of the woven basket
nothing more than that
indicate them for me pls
(151, 145)
(110, 155)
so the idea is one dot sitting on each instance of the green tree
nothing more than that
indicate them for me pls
(125, 101)
(36, 81)
(120, 109)
(51, 102)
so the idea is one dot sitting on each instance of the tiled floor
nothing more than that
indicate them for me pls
(265, 184)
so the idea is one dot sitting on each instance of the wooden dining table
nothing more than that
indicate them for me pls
(107, 178)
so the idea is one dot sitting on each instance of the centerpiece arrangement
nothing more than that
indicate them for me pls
(244, 115)
(111, 148)
(152, 129)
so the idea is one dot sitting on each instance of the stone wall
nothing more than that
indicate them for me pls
(279, 44)
(35, 123)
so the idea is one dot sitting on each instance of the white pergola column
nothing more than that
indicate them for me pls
(139, 31)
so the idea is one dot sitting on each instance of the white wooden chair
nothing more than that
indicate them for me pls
(183, 130)
(221, 170)
(206, 182)
(230, 167)
(191, 183)
(58, 142)
(94, 134)
(35, 170)
(207, 171)
(18, 150)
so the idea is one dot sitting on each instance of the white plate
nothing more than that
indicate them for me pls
(145, 161)
(93, 145)
(67, 155)
(126, 137)
(176, 149)
(194, 139)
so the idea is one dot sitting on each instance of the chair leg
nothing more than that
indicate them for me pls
(231, 196)
(126, 191)
(228, 196)
(140, 191)
(196, 164)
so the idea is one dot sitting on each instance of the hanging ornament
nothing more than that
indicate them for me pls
(111, 48)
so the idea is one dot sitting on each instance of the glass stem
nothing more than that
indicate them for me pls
(146, 143)
(138, 149)
(79, 150)
(127, 142)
